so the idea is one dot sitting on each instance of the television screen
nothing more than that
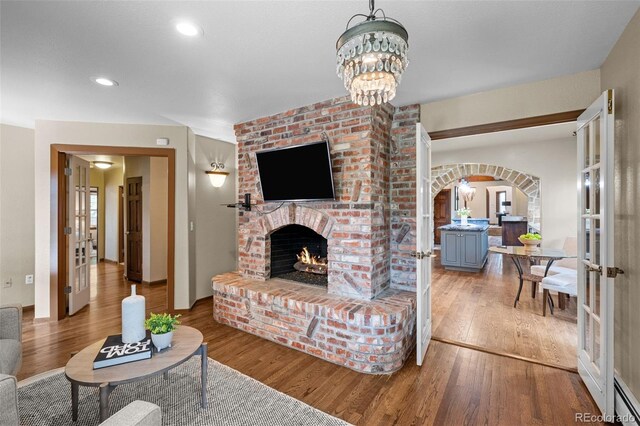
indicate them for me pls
(298, 173)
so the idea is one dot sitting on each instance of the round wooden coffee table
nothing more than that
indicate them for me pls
(187, 342)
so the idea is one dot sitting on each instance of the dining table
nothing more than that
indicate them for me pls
(524, 257)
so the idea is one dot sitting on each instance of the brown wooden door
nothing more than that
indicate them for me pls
(134, 228)
(441, 212)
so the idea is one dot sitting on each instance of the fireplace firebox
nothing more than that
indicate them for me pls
(299, 254)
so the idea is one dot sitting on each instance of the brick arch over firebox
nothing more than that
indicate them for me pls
(293, 214)
(446, 174)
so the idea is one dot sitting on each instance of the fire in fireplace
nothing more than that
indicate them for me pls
(299, 254)
(308, 262)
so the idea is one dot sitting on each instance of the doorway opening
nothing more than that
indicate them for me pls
(156, 262)
(513, 182)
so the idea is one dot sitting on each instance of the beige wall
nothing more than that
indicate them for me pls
(216, 242)
(557, 175)
(520, 206)
(566, 93)
(621, 71)
(125, 135)
(17, 212)
(158, 219)
(519, 201)
(112, 180)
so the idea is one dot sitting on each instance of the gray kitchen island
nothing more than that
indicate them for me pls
(464, 247)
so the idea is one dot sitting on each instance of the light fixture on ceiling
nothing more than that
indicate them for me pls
(466, 191)
(103, 164)
(371, 57)
(103, 81)
(216, 175)
(188, 29)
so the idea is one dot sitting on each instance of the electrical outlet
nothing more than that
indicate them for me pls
(28, 279)
(8, 283)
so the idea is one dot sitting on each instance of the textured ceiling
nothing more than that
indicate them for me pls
(259, 58)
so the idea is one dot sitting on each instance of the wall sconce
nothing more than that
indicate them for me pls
(217, 176)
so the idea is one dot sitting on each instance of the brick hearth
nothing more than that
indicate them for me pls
(369, 336)
(363, 320)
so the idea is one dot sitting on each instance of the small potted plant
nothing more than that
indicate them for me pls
(464, 214)
(161, 327)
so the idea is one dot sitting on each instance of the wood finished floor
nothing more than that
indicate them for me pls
(455, 386)
(477, 308)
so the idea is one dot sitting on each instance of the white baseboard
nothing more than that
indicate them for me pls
(627, 406)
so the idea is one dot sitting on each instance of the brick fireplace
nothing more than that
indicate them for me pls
(359, 319)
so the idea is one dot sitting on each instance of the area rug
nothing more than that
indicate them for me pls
(234, 399)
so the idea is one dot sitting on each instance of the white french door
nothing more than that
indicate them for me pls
(79, 239)
(596, 271)
(424, 235)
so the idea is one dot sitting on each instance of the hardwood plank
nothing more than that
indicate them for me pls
(477, 309)
(455, 385)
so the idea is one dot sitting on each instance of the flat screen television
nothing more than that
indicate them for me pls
(296, 173)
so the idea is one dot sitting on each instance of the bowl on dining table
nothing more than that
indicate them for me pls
(529, 244)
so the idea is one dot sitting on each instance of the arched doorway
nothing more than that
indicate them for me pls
(445, 174)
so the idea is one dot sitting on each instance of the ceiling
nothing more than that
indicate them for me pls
(259, 58)
(508, 137)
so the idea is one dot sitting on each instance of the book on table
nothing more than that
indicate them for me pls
(114, 352)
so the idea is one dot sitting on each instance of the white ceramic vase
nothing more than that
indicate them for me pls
(133, 317)
(464, 220)
(161, 341)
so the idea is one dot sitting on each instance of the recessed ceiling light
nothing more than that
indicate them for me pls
(103, 81)
(103, 164)
(188, 29)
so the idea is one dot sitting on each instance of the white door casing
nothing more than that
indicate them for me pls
(79, 239)
(595, 136)
(424, 239)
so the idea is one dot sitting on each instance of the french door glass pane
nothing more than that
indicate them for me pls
(596, 293)
(596, 342)
(587, 287)
(586, 159)
(81, 278)
(596, 140)
(595, 185)
(587, 332)
(586, 236)
(586, 184)
(595, 236)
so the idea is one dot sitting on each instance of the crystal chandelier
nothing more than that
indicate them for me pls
(371, 57)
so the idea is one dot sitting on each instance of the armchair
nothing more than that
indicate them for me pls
(10, 339)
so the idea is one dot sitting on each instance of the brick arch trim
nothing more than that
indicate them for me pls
(446, 174)
(293, 214)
